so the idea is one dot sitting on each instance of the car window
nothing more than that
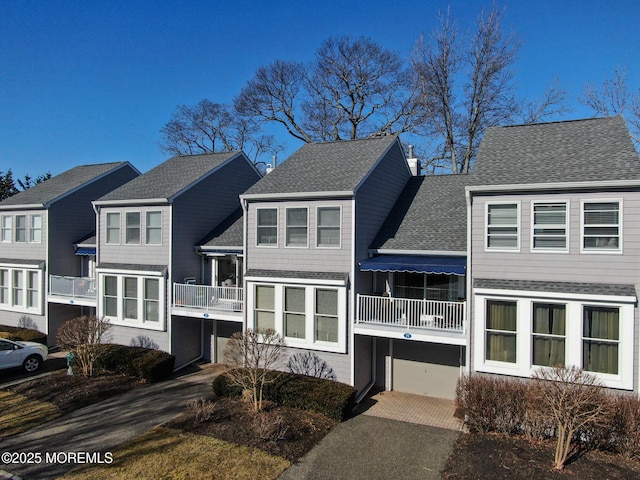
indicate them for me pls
(5, 345)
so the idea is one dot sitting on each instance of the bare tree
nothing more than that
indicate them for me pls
(574, 399)
(354, 88)
(551, 104)
(83, 335)
(214, 127)
(614, 97)
(252, 355)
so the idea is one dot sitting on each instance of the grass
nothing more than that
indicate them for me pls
(165, 453)
(20, 413)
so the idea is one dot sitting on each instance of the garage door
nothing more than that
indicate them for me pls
(425, 368)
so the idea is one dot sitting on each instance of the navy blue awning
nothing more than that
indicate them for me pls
(86, 251)
(413, 263)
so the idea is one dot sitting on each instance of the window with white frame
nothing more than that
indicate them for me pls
(308, 316)
(264, 311)
(133, 300)
(154, 228)
(297, 227)
(501, 331)
(502, 226)
(600, 339)
(601, 226)
(267, 226)
(549, 226)
(132, 228)
(328, 227)
(294, 312)
(7, 228)
(21, 228)
(548, 332)
(21, 289)
(113, 228)
(35, 229)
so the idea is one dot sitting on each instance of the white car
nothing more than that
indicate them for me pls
(28, 355)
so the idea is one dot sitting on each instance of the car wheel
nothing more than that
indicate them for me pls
(32, 363)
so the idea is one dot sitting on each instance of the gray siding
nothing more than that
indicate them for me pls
(12, 319)
(340, 363)
(126, 335)
(27, 250)
(311, 258)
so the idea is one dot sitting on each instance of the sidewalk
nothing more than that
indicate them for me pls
(103, 426)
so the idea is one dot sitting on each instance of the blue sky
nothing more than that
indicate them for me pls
(94, 81)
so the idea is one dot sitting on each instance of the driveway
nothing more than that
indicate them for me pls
(55, 361)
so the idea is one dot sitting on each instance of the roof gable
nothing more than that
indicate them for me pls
(596, 149)
(45, 193)
(169, 179)
(339, 166)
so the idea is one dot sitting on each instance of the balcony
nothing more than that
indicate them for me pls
(427, 320)
(72, 290)
(204, 301)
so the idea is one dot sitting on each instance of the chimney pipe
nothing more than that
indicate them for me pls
(414, 163)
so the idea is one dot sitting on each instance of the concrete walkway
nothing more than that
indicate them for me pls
(104, 426)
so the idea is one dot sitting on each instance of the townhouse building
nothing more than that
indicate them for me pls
(40, 229)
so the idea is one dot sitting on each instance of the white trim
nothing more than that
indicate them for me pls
(389, 251)
(555, 295)
(602, 251)
(121, 271)
(125, 203)
(567, 222)
(295, 195)
(518, 226)
(599, 185)
(23, 307)
(301, 281)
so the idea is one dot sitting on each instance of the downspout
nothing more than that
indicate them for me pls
(245, 262)
(96, 209)
(467, 317)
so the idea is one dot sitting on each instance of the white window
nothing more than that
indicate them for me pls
(21, 290)
(264, 311)
(328, 227)
(297, 228)
(308, 316)
(132, 300)
(132, 228)
(21, 228)
(154, 228)
(7, 227)
(601, 226)
(600, 339)
(35, 231)
(501, 331)
(267, 226)
(503, 226)
(113, 228)
(549, 226)
(548, 331)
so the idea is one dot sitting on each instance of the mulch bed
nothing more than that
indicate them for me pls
(70, 393)
(286, 432)
(495, 457)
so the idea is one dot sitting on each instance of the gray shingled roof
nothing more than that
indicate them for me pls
(571, 151)
(430, 214)
(56, 187)
(333, 276)
(228, 234)
(169, 178)
(556, 287)
(325, 167)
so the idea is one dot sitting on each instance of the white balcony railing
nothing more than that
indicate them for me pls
(73, 287)
(205, 297)
(411, 314)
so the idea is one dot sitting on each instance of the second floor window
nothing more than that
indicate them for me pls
(549, 226)
(132, 232)
(7, 227)
(21, 228)
(154, 228)
(601, 226)
(267, 226)
(113, 228)
(502, 226)
(35, 232)
(297, 227)
(328, 234)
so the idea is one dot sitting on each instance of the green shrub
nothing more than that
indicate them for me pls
(18, 334)
(147, 364)
(327, 397)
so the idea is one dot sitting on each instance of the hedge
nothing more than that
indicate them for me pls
(327, 397)
(18, 334)
(145, 363)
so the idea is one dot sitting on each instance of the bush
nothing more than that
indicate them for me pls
(625, 432)
(147, 364)
(18, 334)
(332, 399)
